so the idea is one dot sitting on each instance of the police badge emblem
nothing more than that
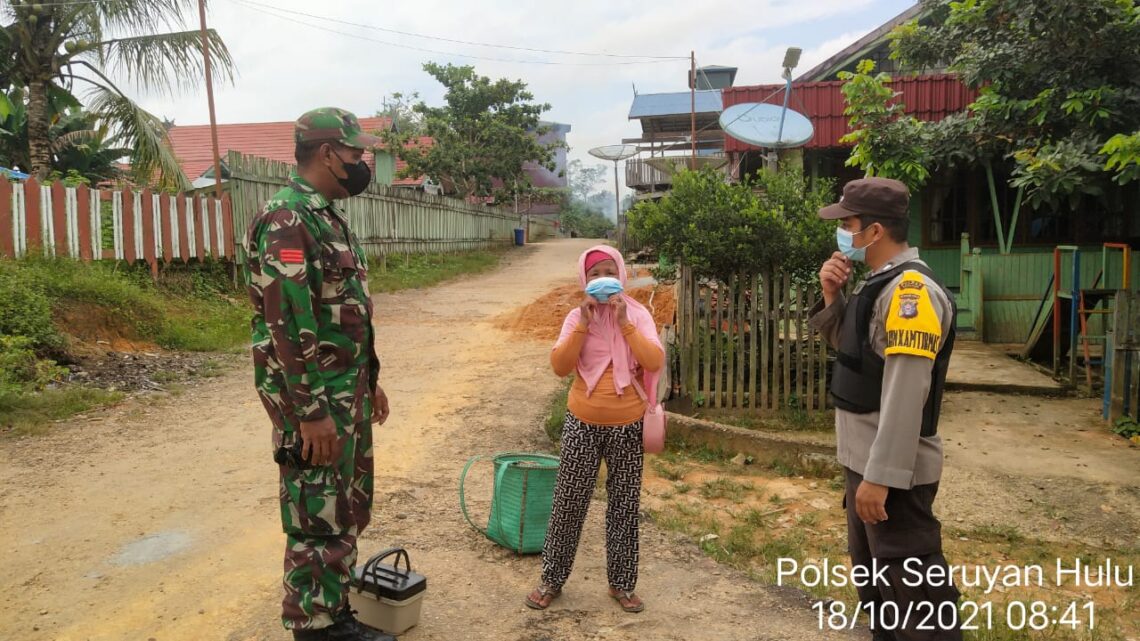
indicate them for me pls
(908, 306)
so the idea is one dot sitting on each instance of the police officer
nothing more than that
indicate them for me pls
(316, 370)
(893, 340)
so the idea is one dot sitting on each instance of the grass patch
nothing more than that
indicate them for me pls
(786, 420)
(27, 414)
(191, 308)
(724, 488)
(415, 271)
(670, 471)
(679, 451)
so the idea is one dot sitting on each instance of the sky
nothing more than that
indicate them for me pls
(288, 63)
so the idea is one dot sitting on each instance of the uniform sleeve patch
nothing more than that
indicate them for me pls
(292, 256)
(912, 325)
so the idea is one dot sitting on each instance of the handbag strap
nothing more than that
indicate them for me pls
(641, 393)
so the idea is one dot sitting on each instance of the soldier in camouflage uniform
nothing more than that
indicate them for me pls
(316, 370)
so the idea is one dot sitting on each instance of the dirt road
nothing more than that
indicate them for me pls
(158, 519)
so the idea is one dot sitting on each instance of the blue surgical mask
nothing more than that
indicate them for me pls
(846, 242)
(604, 287)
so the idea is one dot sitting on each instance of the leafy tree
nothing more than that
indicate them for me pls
(1059, 91)
(485, 132)
(584, 180)
(886, 142)
(45, 47)
(579, 219)
(719, 229)
(400, 109)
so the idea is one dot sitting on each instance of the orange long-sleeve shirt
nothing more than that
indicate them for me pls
(605, 406)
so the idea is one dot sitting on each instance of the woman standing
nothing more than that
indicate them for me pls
(610, 341)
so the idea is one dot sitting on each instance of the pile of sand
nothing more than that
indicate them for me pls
(542, 319)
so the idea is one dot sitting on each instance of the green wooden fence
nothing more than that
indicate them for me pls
(387, 220)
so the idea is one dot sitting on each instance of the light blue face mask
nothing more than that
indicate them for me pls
(604, 287)
(846, 242)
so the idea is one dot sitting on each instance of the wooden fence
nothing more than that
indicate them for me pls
(745, 343)
(93, 224)
(387, 220)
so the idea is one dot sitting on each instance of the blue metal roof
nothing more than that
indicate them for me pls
(652, 105)
(13, 174)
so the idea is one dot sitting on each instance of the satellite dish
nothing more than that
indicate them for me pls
(758, 123)
(614, 152)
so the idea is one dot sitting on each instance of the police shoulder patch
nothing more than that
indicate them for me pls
(912, 325)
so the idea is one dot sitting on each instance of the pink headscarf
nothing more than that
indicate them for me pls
(605, 343)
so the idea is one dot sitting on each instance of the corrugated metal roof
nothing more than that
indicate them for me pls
(273, 140)
(929, 98)
(651, 105)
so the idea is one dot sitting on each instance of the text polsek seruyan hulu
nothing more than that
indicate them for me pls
(1066, 572)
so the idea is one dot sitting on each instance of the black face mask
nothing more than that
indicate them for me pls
(357, 176)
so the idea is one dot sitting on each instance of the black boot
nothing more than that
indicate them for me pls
(311, 635)
(346, 628)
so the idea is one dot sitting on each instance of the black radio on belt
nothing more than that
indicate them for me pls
(290, 456)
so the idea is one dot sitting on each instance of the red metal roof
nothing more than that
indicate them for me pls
(929, 98)
(273, 140)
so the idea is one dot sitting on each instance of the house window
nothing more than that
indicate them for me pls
(947, 216)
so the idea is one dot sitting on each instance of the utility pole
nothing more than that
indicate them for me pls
(693, 104)
(210, 99)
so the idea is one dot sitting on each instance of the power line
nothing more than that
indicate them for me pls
(275, 14)
(454, 41)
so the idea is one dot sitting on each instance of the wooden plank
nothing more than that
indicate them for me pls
(704, 326)
(32, 221)
(130, 252)
(683, 330)
(167, 227)
(58, 219)
(801, 349)
(810, 347)
(742, 283)
(178, 208)
(199, 230)
(730, 343)
(7, 220)
(785, 330)
(149, 251)
(83, 215)
(765, 341)
(228, 243)
(754, 342)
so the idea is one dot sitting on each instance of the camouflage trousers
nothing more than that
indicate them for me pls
(323, 510)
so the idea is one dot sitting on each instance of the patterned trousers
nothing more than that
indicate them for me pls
(584, 446)
(323, 509)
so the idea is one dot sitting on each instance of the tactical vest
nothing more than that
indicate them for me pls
(857, 379)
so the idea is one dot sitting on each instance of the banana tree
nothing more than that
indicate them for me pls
(48, 46)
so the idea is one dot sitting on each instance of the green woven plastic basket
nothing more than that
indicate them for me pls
(521, 499)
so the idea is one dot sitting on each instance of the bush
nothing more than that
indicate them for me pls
(21, 370)
(25, 309)
(719, 229)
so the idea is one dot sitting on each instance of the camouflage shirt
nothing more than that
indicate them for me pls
(307, 276)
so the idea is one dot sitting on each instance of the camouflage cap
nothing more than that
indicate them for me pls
(330, 124)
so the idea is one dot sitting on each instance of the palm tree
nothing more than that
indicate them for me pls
(46, 47)
(80, 143)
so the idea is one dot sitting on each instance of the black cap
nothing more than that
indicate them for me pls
(884, 197)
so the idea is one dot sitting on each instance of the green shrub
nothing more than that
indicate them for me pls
(21, 370)
(25, 309)
(721, 229)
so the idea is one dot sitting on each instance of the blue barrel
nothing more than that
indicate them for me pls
(519, 239)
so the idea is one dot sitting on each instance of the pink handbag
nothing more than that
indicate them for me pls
(653, 423)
